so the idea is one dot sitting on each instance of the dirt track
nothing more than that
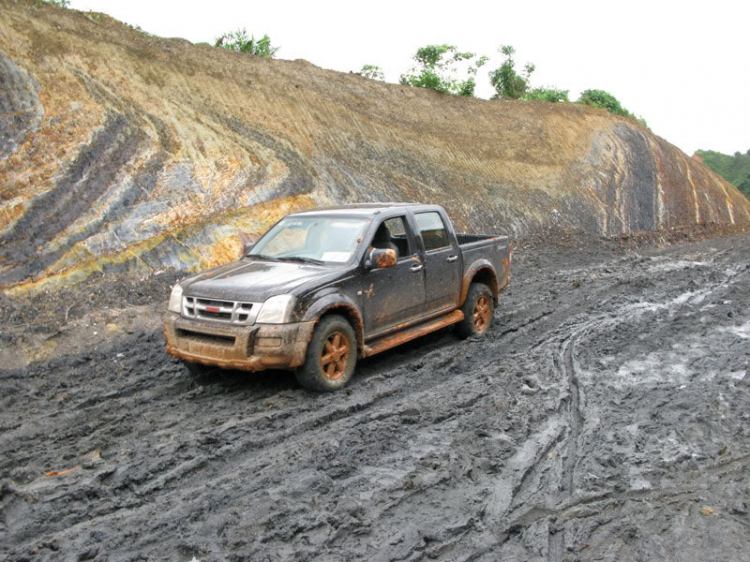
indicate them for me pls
(606, 417)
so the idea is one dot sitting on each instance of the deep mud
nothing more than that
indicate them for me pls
(605, 417)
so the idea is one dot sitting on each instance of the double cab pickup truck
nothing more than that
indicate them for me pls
(325, 287)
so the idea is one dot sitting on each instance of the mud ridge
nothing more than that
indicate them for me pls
(604, 417)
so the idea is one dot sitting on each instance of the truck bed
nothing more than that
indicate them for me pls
(466, 238)
(494, 248)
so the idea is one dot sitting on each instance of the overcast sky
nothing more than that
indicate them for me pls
(682, 65)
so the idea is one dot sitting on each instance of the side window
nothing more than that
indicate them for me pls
(433, 231)
(392, 234)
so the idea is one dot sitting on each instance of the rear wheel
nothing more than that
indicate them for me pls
(331, 356)
(477, 309)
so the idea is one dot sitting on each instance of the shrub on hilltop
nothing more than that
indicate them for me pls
(242, 43)
(437, 69)
(605, 100)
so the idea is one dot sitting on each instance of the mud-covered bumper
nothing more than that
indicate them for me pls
(250, 348)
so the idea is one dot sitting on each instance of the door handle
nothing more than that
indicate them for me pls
(416, 267)
(452, 259)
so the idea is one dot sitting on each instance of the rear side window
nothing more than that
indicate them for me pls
(433, 231)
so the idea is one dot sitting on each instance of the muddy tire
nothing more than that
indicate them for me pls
(331, 356)
(477, 309)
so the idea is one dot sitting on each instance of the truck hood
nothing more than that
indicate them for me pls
(251, 281)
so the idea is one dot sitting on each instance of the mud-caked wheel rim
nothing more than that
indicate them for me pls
(482, 313)
(334, 356)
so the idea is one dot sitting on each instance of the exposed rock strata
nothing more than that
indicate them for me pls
(119, 150)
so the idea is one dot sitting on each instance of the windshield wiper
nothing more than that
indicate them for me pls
(263, 257)
(303, 260)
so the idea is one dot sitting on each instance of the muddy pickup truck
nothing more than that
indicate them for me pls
(327, 286)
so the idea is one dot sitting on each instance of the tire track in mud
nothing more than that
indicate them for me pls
(563, 360)
(564, 365)
(441, 449)
(331, 418)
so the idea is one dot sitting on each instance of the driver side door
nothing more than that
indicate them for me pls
(394, 295)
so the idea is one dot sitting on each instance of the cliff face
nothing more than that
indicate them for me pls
(119, 150)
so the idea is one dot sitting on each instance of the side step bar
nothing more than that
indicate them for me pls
(409, 334)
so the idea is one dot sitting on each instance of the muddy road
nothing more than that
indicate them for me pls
(605, 417)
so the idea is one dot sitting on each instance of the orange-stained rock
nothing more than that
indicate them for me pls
(119, 150)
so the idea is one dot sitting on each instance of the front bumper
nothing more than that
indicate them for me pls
(249, 348)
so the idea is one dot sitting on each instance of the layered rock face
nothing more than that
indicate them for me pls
(119, 150)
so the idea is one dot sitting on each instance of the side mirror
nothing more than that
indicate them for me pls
(247, 247)
(380, 257)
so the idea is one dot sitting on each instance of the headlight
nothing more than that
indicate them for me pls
(276, 310)
(175, 299)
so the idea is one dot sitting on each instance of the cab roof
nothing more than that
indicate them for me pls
(357, 209)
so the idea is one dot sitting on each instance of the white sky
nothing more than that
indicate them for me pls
(682, 65)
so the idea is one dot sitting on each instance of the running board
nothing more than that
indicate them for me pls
(409, 334)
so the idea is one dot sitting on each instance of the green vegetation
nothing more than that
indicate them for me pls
(605, 100)
(511, 85)
(552, 95)
(372, 72)
(436, 69)
(508, 84)
(58, 3)
(240, 42)
(735, 169)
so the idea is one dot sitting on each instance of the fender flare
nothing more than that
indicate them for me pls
(338, 301)
(482, 264)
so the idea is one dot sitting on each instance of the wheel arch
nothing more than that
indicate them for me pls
(339, 304)
(480, 271)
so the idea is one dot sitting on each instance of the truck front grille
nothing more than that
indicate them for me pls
(231, 312)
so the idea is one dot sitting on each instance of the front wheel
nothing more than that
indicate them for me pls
(331, 356)
(477, 309)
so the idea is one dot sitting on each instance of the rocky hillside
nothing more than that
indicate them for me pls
(119, 150)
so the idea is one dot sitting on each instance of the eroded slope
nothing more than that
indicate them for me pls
(123, 151)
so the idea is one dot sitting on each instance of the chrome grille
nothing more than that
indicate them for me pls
(228, 312)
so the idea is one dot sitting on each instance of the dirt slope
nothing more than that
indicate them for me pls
(605, 417)
(123, 151)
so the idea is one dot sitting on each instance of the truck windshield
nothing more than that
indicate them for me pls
(311, 239)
